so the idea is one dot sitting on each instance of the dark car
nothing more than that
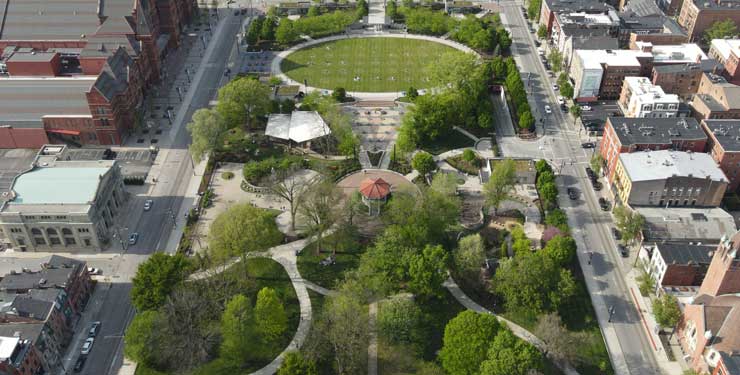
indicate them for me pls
(588, 145)
(617, 234)
(80, 363)
(564, 108)
(596, 185)
(623, 250)
(590, 172)
(604, 204)
(573, 193)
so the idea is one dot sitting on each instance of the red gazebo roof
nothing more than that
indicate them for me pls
(375, 188)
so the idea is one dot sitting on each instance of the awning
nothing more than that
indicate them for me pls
(63, 131)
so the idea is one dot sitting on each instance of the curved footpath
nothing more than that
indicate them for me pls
(277, 61)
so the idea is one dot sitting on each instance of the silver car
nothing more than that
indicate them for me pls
(87, 346)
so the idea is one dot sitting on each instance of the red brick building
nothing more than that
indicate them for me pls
(729, 364)
(696, 16)
(679, 264)
(625, 135)
(716, 99)
(724, 147)
(683, 79)
(727, 53)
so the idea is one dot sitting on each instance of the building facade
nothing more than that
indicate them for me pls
(640, 98)
(679, 264)
(724, 147)
(723, 275)
(716, 99)
(683, 79)
(668, 178)
(727, 53)
(697, 16)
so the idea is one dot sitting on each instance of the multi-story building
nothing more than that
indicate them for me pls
(727, 53)
(625, 135)
(668, 178)
(679, 263)
(551, 8)
(697, 16)
(654, 28)
(716, 99)
(723, 275)
(724, 146)
(77, 214)
(685, 224)
(640, 98)
(728, 364)
(683, 79)
(584, 30)
(19, 353)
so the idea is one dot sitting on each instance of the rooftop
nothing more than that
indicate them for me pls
(55, 274)
(708, 65)
(642, 87)
(731, 361)
(726, 132)
(7, 347)
(578, 5)
(674, 53)
(591, 41)
(637, 131)
(25, 331)
(32, 57)
(48, 19)
(592, 59)
(588, 19)
(659, 165)
(60, 184)
(684, 253)
(686, 224)
(722, 317)
(375, 188)
(726, 47)
(717, 4)
(20, 98)
(299, 127)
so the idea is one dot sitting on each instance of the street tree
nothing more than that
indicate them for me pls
(597, 161)
(424, 163)
(499, 185)
(237, 330)
(268, 28)
(629, 222)
(253, 33)
(467, 338)
(270, 319)
(240, 230)
(557, 218)
(400, 321)
(141, 337)
(563, 79)
(242, 100)
(567, 90)
(295, 363)
(559, 342)
(576, 112)
(542, 32)
(666, 310)
(290, 185)
(321, 209)
(721, 30)
(556, 60)
(509, 355)
(526, 120)
(427, 271)
(206, 131)
(156, 278)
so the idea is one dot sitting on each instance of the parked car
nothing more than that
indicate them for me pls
(623, 250)
(148, 204)
(604, 204)
(555, 86)
(586, 108)
(617, 234)
(94, 329)
(80, 363)
(87, 346)
(94, 271)
(590, 173)
(133, 238)
(596, 185)
(588, 145)
(573, 193)
(548, 110)
(561, 100)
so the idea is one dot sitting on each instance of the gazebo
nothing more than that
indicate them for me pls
(374, 191)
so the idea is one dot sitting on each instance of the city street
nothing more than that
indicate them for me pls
(624, 333)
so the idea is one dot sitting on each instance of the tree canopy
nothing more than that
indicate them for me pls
(721, 30)
(270, 319)
(508, 355)
(501, 182)
(242, 100)
(424, 163)
(156, 278)
(428, 271)
(629, 222)
(237, 330)
(666, 310)
(206, 131)
(466, 341)
(242, 229)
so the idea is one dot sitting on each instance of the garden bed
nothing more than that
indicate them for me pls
(462, 165)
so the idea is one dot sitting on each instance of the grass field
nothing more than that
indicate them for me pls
(365, 64)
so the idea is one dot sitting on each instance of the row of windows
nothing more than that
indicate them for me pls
(45, 217)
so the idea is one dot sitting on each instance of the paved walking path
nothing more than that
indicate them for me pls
(520, 332)
(372, 348)
(467, 133)
(319, 289)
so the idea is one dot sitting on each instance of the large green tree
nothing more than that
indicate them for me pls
(424, 163)
(509, 355)
(629, 222)
(466, 341)
(499, 185)
(140, 338)
(242, 100)
(470, 254)
(428, 271)
(270, 319)
(295, 363)
(342, 330)
(242, 229)
(321, 208)
(561, 249)
(400, 321)
(721, 30)
(666, 310)
(206, 131)
(156, 278)
(237, 331)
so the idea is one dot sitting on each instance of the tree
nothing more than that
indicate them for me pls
(470, 254)
(666, 310)
(561, 249)
(549, 195)
(467, 338)
(140, 337)
(501, 182)
(690, 372)
(469, 156)
(556, 60)
(268, 29)
(542, 32)
(563, 78)
(445, 183)
(339, 94)
(243, 100)
(629, 222)
(559, 342)
(313, 11)
(509, 355)
(558, 219)
(526, 281)
(295, 363)
(520, 243)
(270, 319)
(567, 90)
(320, 209)
(645, 282)
(253, 33)
(156, 278)
(391, 9)
(240, 230)
(342, 328)
(720, 30)
(424, 163)
(597, 161)
(533, 9)
(236, 330)
(289, 185)
(400, 321)
(362, 9)
(576, 111)
(428, 270)
(526, 120)
(206, 131)
(286, 32)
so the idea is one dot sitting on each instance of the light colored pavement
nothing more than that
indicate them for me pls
(625, 335)
(372, 348)
(520, 332)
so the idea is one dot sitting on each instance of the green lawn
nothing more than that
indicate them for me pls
(448, 142)
(309, 264)
(382, 64)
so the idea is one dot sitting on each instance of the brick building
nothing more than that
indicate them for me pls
(716, 99)
(696, 16)
(551, 8)
(723, 275)
(728, 364)
(683, 79)
(19, 353)
(727, 53)
(679, 264)
(655, 28)
(724, 147)
(624, 135)
(640, 98)
(708, 328)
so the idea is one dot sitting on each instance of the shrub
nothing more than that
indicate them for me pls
(227, 175)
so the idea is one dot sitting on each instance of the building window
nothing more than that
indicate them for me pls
(45, 217)
(61, 217)
(36, 231)
(86, 241)
(39, 241)
(21, 241)
(83, 230)
(70, 241)
(55, 241)
(697, 192)
(66, 232)
(104, 122)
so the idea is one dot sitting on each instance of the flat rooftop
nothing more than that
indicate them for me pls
(684, 253)
(27, 100)
(659, 165)
(676, 53)
(725, 47)
(48, 19)
(592, 59)
(641, 131)
(12, 163)
(686, 224)
(642, 87)
(59, 185)
(727, 133)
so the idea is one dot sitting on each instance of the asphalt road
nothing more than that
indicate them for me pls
(633, 354)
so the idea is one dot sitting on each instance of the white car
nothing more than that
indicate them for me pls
(94, 271)
(586, 108)
(548, 110)
(87, 346)
(555, 86)
(148, 204)
(561, 100)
